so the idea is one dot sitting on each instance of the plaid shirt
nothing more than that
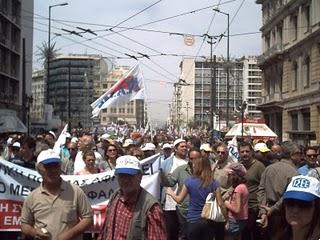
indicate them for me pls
(121, 214)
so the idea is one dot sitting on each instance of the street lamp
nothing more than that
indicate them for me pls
(49, 45)
(228, 61)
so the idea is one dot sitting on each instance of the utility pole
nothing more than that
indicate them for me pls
(187, 113)
(69, 97)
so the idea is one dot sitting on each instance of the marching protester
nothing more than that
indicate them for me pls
(273, 183)
(56, 209)
(166, 152)
(148, 149)
(261, 152)
(168, 204)
(111, 155)
(254, 172)
(67, 164)
(237, 203)
(221, 175)
(132, 212)
(89, 159)
(198, 186)
(27, 157)
(86, 142)
(311, 161)
(178, 176)
(136, 152)
(301, 202)
(15, 149)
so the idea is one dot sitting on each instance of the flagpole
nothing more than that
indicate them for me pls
(146, 100)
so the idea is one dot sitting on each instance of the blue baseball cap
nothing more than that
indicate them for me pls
(128, 165)
(48, 156)
(303, 188)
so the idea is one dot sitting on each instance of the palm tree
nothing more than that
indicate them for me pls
(44, 52)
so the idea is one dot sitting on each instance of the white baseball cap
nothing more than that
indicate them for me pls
(303, 188)
(128, 142)
(148, 147)
(128, 165)
(16, 144)
(105, 136)
(53, 134)
(166, 145)
(48, 156)
(177, 141)
(206, 147)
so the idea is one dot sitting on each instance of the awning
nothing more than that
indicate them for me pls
(252, 130)
(10, 123)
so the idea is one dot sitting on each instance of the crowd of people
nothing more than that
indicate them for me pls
(271, 192)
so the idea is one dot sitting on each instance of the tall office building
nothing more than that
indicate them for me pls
(192, 101)
(132, 112)
(252, 86)
(84, 74)
(16, 34)
(291, 68)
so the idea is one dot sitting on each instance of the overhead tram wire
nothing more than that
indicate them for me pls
(231, 21)
(204, 37)
(141, 11)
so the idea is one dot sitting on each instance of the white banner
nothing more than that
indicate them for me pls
(17, 182)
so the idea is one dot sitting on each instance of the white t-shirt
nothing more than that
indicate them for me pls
(170, 204)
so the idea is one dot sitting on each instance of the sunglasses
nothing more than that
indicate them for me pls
(112, 150)
(298, 203)
(220, 152)
(312, 155)
(72, 149)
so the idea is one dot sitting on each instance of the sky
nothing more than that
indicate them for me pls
(151, 27)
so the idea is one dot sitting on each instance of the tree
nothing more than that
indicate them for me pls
(44, 52)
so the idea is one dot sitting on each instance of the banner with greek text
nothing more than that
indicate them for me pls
(17, 182)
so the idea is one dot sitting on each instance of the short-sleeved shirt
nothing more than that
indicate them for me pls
(244, 195)
(198, 194)
(56, 214)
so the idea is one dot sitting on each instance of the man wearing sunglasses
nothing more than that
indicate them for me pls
(311, 161)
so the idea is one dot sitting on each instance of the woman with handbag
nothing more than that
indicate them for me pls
(237, 204)
(198, 186)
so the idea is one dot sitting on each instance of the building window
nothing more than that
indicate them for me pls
(294, 27)
(306, 19)
(294, 76)
(104, 119)
(306, 120)
(294, 121)
(306, 71)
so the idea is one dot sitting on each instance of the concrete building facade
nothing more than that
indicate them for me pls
(132, 112)
(85, 74)
(252, 86)
(291, 68)
(15, 32)
(192, 102)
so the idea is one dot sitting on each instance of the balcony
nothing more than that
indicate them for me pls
(274, 51)
(273, 99)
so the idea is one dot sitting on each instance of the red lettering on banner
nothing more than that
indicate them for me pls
(10, 214)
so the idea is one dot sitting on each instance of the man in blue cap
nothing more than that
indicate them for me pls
(132, 213)
(56, 209)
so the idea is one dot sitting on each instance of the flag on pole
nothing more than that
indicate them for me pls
(61, 139)
(233, 149)
(127, 89)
